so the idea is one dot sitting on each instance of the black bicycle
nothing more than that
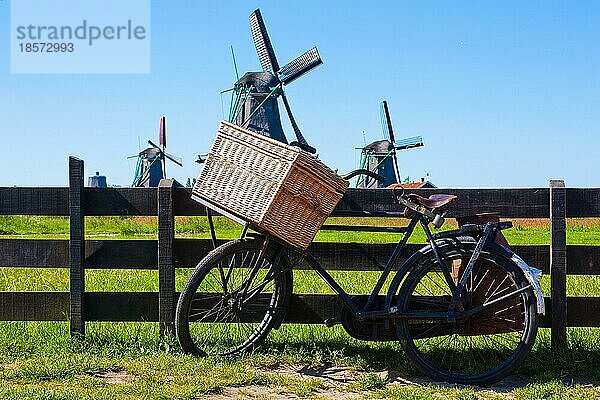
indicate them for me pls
(464, 308)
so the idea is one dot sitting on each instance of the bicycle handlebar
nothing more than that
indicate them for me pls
(363, 171)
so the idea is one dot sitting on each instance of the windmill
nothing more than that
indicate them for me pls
(254, 103)
(152, 162)
(381, 156)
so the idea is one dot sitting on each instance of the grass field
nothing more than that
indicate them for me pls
(127, 360)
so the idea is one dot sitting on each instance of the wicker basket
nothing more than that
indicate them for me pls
(276, 187)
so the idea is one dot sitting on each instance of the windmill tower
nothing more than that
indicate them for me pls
(152, 162)
(254, 103)
(381, 156)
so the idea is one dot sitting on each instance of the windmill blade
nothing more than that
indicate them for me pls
(151, 143)
(386, 122)
(265, 51)
(162, 132)
(300, 66)
(299, 136)
(175, 159)
(409, 143)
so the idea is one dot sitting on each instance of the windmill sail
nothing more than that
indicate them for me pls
(300, 66)
(162, 132)
(386, 122)
(175, 159)
(266, 54)
(409, 143)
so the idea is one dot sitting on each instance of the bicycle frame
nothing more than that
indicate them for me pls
(365, 311)
(423, 218)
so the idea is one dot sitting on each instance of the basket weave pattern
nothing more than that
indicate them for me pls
(278, 188)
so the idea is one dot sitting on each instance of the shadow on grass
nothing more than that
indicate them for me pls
(579, 363)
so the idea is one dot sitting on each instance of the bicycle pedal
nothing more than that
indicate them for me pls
(330, 322)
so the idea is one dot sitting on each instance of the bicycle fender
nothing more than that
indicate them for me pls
(532, 274)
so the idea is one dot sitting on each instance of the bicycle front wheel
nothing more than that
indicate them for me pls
(496, 317)
(234, 297)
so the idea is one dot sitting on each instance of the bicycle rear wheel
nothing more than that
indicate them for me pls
(233, 299)
(479, 348)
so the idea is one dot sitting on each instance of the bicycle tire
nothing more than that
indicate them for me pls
(239, 324)
(490, 345)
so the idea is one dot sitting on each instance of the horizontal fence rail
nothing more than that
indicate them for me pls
(144, 307)
(510, 203)
(143, 254)
(167, 253)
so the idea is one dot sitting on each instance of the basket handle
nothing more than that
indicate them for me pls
(314, 200)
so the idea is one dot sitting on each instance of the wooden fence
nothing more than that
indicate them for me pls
(167, 253)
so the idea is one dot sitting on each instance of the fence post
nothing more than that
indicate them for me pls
(166, 269)
(558, 262)
(76, 247)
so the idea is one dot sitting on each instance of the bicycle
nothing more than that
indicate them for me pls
(464, 308)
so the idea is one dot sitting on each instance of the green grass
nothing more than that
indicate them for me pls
(579, 232)
(39, 360)
(367, 381)
(53, 366)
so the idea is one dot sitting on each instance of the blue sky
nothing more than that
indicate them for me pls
(505, 94)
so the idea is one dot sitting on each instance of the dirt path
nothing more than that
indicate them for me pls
(340, 384)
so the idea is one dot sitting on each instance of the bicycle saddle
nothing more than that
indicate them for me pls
(433, 201)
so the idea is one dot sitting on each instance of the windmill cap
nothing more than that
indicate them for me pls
(263, 82)
(380, 146)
